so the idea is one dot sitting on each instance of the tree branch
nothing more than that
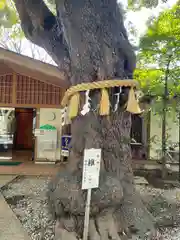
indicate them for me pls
(42, 28)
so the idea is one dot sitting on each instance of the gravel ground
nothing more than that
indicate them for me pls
(27, 198)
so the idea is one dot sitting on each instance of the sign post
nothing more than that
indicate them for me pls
(90, 179)
(87, 213)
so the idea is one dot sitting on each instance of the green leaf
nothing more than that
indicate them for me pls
(2, 4)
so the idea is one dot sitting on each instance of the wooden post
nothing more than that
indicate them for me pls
(148, 135)
(179, 144)
(36, 140)
(164, 119)
(14, 89)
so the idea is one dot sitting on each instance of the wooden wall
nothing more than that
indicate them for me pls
(22, 91)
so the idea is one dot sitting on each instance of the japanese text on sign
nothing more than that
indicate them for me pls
(65, 145)
(66, 140)
(91, 168)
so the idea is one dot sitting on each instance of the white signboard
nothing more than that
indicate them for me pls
(65, 153)
(91, 168)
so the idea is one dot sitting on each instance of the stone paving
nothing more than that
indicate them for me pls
(4, 179)
(10, 226)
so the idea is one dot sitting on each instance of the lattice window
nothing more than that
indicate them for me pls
(6, 85)
(32, 91)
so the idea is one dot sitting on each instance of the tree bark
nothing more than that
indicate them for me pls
(98, 49)
(42, 28)
(116, 208)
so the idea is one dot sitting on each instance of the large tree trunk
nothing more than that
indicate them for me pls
(98, 49)
(116, 208)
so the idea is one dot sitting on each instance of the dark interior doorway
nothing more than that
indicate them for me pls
(23, 142)
(23, 137)
(136, 128)
(138, 148)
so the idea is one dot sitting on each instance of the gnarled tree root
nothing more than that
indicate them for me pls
(112, 216)
(103, 227)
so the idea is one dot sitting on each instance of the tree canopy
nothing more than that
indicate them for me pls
(9, 16)
(136, 4)
(159, 56)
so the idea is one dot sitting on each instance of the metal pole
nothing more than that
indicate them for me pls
(164, 144)
(87, 213)
(164, 115)
(179, 145)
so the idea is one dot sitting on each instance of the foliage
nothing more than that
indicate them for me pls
(9, 17)
(12, 36)
(138, 4)
(159, 55)
(8, 14)
(9, 21)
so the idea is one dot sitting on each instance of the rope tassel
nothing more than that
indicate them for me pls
(104, 103)
(74, 105)
(72, 97)
(132, 104)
